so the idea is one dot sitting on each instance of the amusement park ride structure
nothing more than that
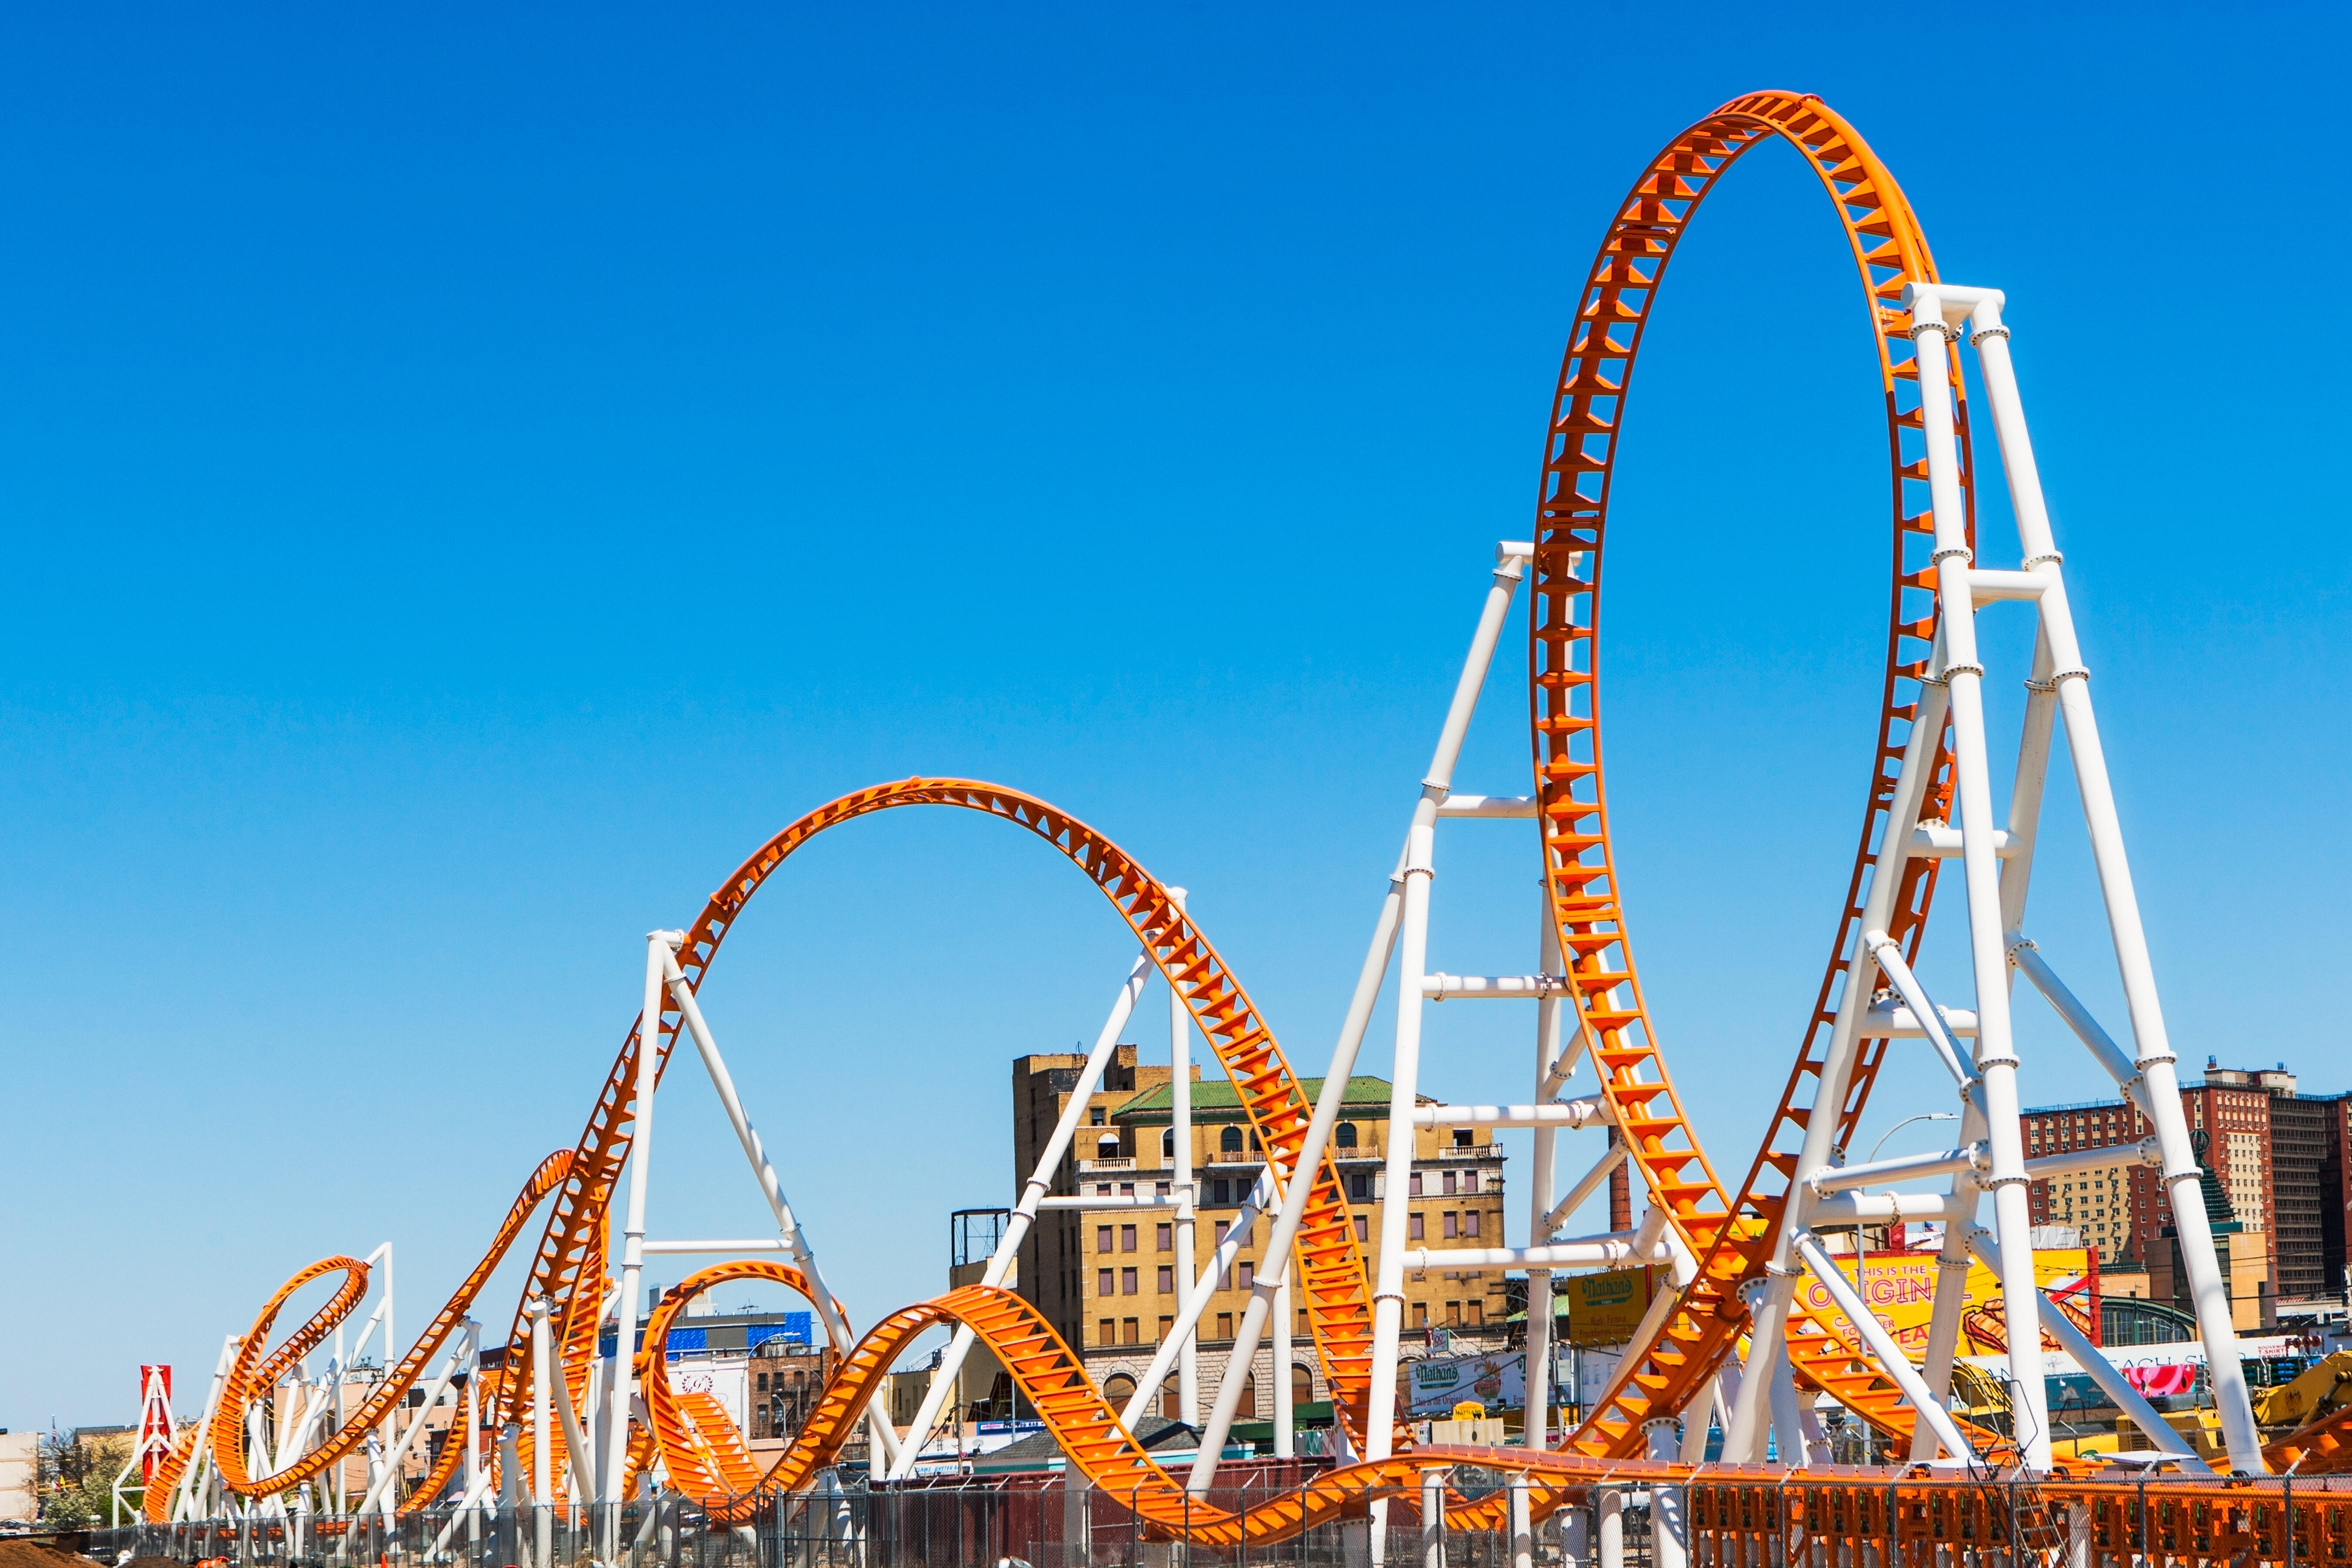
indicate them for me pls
(1731, 1342)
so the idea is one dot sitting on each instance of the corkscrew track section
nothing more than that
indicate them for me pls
(1580, 470)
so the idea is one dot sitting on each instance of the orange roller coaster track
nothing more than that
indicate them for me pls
(1620, 289)
(1731, 1233)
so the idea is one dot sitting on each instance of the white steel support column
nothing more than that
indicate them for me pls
(1951, 1295)
(2154, 1056)
(1285, 1411)
(1743, 1437)
(474, 1475)
(1996, 1054)
(543, 1441)
(1180, 1100)
(661, 947)
(1669, 1514)
(1025, 1215)
(788, 1229)
(1549, 1033)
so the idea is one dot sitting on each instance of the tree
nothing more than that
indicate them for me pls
(76, 1479)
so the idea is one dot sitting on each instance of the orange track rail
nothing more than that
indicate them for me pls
(1580, 464)
(1732, 1240)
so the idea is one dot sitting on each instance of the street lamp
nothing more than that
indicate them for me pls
(1860, 1247)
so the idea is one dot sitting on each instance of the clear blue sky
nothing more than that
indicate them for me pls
(469, 477)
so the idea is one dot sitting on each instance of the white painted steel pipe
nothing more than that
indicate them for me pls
(1024, 1212)
(1892, 1023)
(1951, 1276)
(1113, 1201)
(729, 1245)
(1987, 587)
(1549, 1043)
(1285, 1415)
(788, 1229)
(1443, 987)
(1418, 868)
(2094, 1361)
(1433, 1516)
(1489, 807)
(1591, 1111)
(1996, 1052)
(660, 948)
(2146, 1151)
(1910, 1167)
(2064, 1001)
(1188, 1193)
(1891, 963)
(1892, 1363)
(2154, 1058)
(1941, 841)
(1875, 1208)
(1196, 1302)
(1586, 1185)
(1617, 1250)
(543, 1442)
(2028, 782)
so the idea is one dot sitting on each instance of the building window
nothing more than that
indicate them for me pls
(1222, 1225)
(1127, 1238)
(1096, 1120)
(1105, 1148)
(1220, 1191)
(1302, 1386)
(1127, 1189)
(1129, 1330)
(1413, 1188)
(1462, 1136)
(1171, 1400)
(1102, 1239)
(1127, 1281)
(1363, 1227)
(1168, 1143)
(1470, 1222)
(1449, 1184)
(1225, 1325)
(1167, 1282)
(1105, 1332)
(1345, 1138)
(1167, 1325)
(1412, 1227)
(1452, 1314)
(1453, 1224)
(1477, 1314)
(1165, 1238)
(1469, 1181)
(1117, 1389)
(1304, 1327)
(1102, 1286)
(1248, 1408)
(1360, 1188)
(1247, 1278)
(1229, 1142)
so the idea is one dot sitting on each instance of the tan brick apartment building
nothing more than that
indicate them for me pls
(1106, 1279)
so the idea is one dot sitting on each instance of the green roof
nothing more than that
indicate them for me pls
(1217, 1094)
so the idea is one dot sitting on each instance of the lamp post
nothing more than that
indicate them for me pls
(1861, 1246)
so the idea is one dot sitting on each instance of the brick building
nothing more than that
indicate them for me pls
(2275, 1159)
(1106, 1279)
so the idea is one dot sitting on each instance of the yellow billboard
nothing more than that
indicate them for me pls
(1900, 1288)
(1605, 1309)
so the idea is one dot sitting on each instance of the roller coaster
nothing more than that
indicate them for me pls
(1732, 1346)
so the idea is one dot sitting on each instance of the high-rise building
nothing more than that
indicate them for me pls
(2276, 1177)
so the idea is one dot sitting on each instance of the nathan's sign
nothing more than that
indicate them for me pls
(1605, 1309)
(1900, 1289)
